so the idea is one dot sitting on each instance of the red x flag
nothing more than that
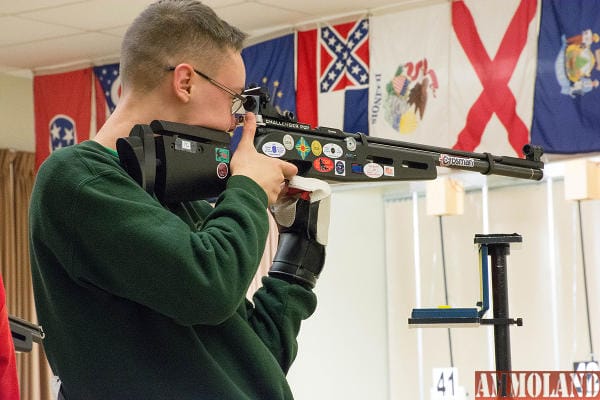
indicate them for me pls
(500, 113)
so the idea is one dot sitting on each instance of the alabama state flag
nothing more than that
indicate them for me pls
(492, 74)
(62, 105)
(332, 87)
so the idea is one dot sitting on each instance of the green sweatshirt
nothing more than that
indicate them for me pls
(141, 302)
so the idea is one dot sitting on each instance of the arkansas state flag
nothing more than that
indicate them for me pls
(567, 86)
(108, 91)
(62, 104)
(409, 75)
(332, 87)
(492, 52)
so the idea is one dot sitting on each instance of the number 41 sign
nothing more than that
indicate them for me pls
(445, 385)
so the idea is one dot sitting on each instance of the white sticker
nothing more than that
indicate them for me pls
(373, 170)
(273, 149)
(333, 150)
(388, 170)
(288, 142)
(350, 143)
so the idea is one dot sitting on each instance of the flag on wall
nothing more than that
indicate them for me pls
(62, 105)
(270, 64)
(409, 70)
(567, 93)
(333, 76)
(493, 69)
(108, 91)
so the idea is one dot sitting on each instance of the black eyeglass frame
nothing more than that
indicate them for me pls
(235, 107)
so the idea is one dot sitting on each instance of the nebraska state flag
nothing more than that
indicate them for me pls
(409, 75)
(332, 87)
(567, 86)
(62, 105)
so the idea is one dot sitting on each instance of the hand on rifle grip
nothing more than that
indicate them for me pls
(303, 220)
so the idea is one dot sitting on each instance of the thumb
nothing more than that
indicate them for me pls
(248, 130)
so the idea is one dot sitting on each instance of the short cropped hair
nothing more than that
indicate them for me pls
(169, 32)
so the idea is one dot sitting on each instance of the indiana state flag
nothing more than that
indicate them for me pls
(333, 76)
(270, 64)
(567, 87)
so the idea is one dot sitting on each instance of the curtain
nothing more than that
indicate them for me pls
(16, 183)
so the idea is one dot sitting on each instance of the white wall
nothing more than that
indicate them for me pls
(343, 346)
(16, 113)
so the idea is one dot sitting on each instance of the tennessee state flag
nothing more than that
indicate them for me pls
(332, 87)
(62, 105)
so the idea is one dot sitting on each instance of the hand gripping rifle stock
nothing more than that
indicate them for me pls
(179, 162)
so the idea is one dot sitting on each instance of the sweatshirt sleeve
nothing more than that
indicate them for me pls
(108, 233)
(279, 308)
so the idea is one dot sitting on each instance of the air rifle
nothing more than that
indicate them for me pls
(179, 162)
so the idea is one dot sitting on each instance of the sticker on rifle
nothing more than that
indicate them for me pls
(333, 150)
(288, 142)
(373, 170)
(302, 147)
(388, 170)
(222, 155)
(222, 170)
(356, 168)
(340, 168)
(316, 148)
(323, 164)
(453, 161)
(350, 143)
(273, 149)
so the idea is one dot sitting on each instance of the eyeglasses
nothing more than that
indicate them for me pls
(237, 100)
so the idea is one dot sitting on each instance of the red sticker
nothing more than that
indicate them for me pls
(323, 164)
(222, 170)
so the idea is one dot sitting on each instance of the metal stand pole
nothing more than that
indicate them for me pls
(498, 253)
(498, 249)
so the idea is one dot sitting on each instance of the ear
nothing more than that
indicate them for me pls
(182, 81)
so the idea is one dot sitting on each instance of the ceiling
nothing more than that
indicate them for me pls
(45, 36)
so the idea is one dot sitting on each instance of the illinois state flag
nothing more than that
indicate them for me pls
(567, 94)
(492, 52)
(62, 105)
(409, 75)
(270, 64)
(332, 87)
(108, 91)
